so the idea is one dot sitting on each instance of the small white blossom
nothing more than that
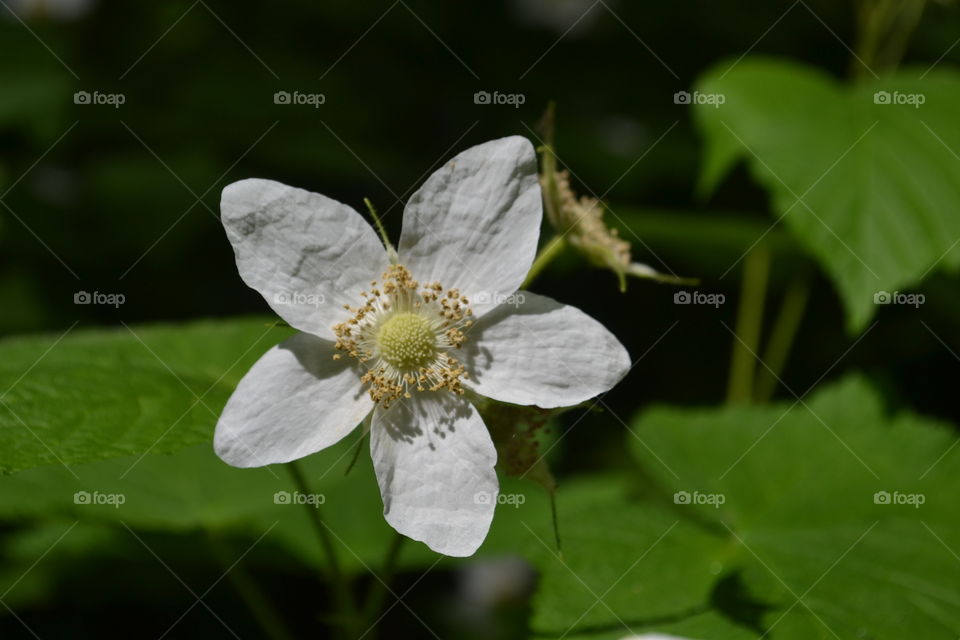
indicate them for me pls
(407, 338)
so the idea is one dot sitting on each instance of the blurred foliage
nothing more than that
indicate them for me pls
(842, 517)
(99, 394)
(866, 178)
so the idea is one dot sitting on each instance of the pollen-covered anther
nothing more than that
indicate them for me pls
(402, 333)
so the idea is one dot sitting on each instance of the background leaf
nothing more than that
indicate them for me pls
(96, 394)
(800, 495)
(870, 189)
(627, 566)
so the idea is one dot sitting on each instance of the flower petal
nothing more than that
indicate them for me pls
(306, 254)
(474, 223)
(541, 352)
(294, 401)
(434, 460)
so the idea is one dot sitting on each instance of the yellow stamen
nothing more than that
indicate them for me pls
(402, 333)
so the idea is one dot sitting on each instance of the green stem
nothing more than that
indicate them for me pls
(551, 196)
(548, 168)
(872, 18)
(556, 523)
(547, 253)
(357, 448)
(781, 338)
(381, 230)
(756, 269)
(249, 591)
(347, 611)
(884, 29)
(906, 24)
(381, 582)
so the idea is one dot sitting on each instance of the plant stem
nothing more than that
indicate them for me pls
(547, 253)
(884, 29)
(357, 448)
(556, 523)
(551, 196)
(756, 269)
(249, 591)
(341, 591)
(871, 18)
(781, 338)
(391, 251)
(381, 582)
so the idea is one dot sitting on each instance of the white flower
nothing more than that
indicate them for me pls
(402, 342)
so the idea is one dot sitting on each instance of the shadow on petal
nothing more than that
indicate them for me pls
(315, 355)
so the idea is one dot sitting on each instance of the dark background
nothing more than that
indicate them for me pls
(126, 199)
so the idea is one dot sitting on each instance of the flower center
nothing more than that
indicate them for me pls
(403, 334)
(407, 341)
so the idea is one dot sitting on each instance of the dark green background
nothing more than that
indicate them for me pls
(126, 200)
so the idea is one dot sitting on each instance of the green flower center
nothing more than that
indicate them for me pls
(407, 342)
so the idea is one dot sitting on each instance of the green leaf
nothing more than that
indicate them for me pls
(800, 485)
(871, 190)
(605, 527)
(193, 491)
(97, 394)
(628, 566)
